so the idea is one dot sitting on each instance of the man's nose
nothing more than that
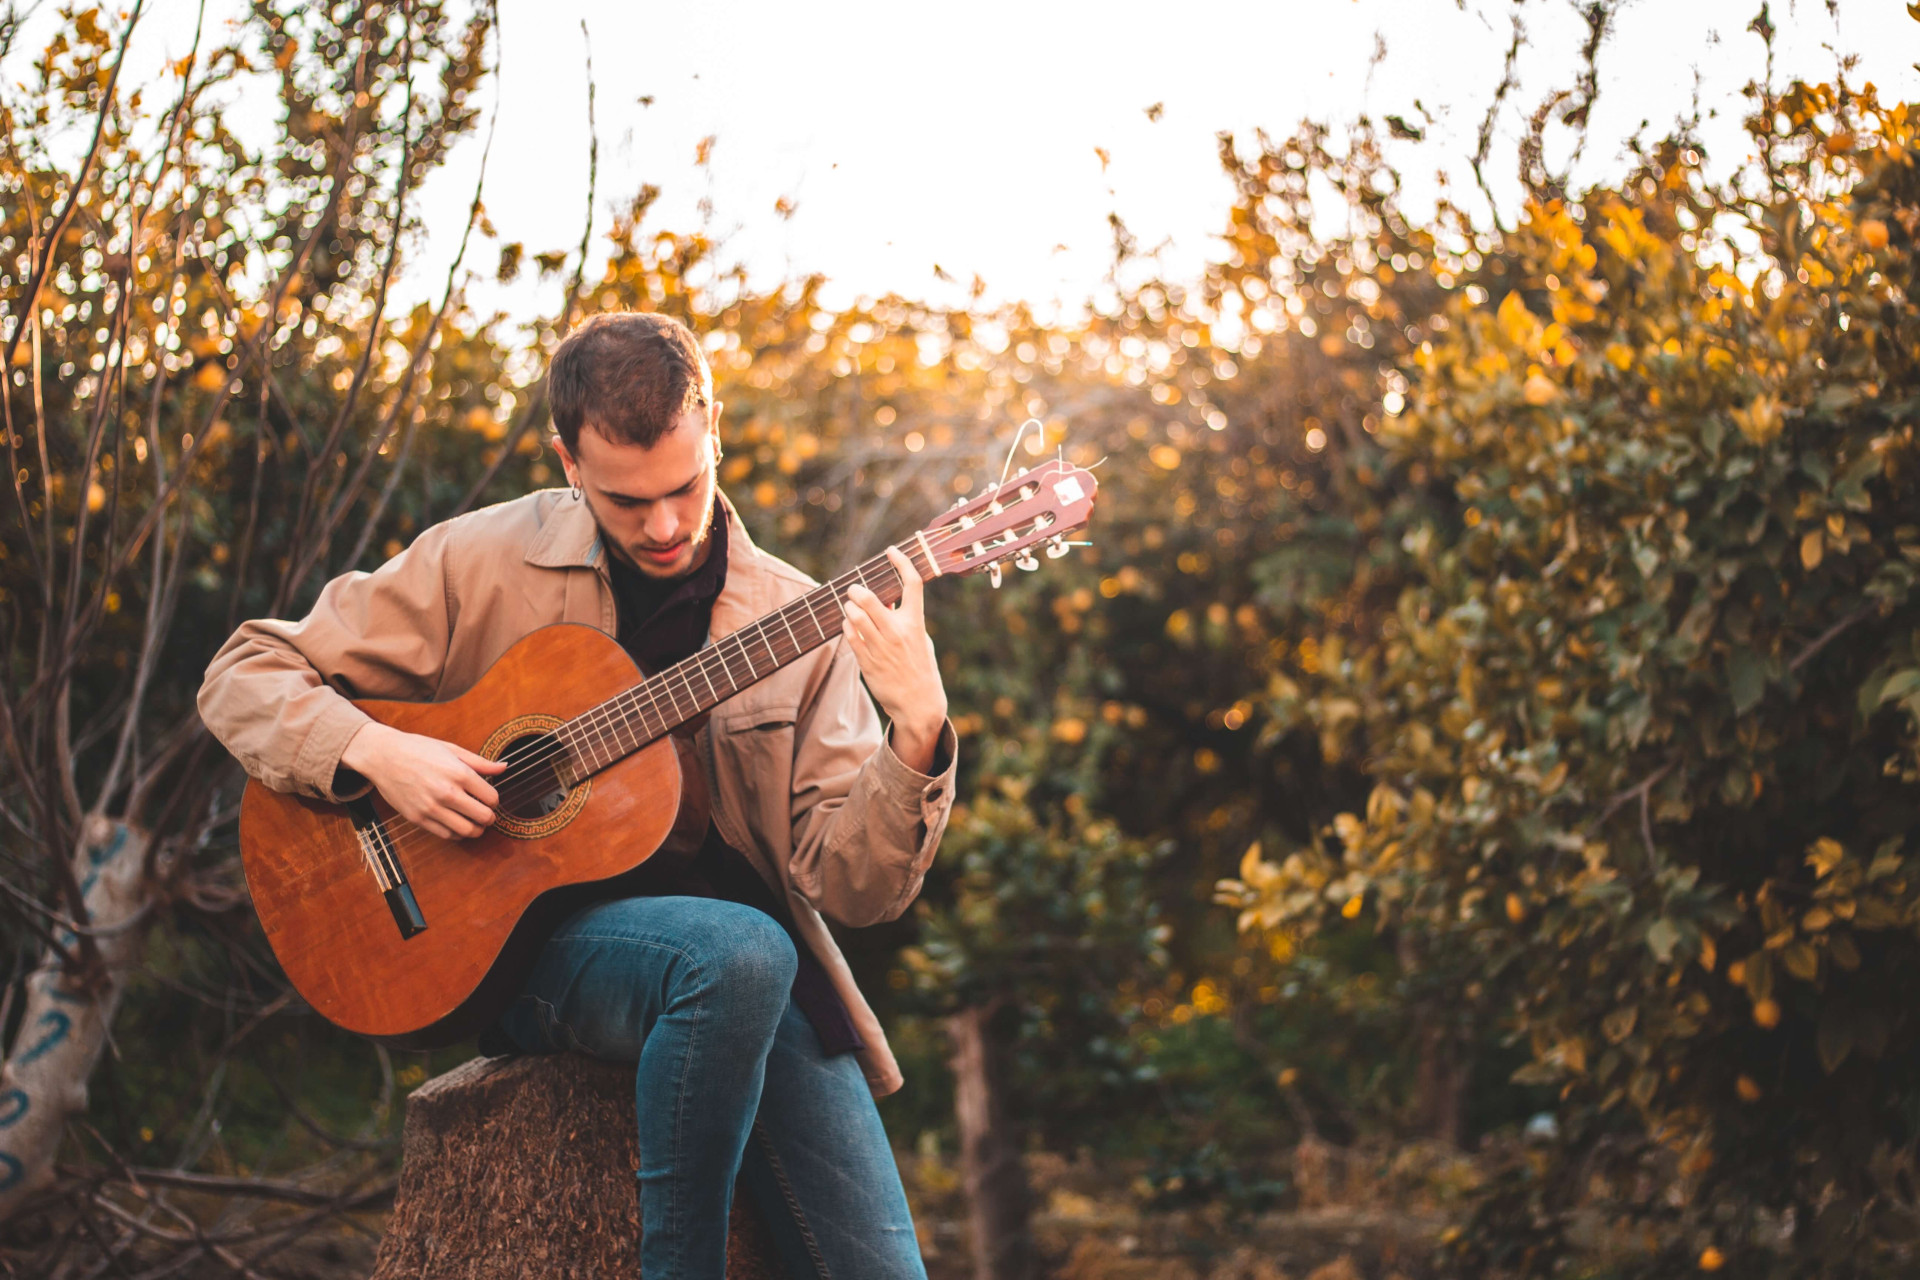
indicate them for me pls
(662, 526)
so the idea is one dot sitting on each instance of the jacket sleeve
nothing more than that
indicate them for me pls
(865, 825)
(277, 694)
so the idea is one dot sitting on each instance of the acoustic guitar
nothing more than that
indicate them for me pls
(394, 933)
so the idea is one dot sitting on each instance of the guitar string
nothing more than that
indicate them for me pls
(599, 720)
(618, 712)
(587, 734)
(404, 833)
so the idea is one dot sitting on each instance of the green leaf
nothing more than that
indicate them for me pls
(1662, 936)
(1746, 679)
(1899, 685)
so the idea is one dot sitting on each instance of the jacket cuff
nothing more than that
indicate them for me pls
(913, 789)
(317, 767)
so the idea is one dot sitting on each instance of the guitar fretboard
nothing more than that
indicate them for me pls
(659, 704)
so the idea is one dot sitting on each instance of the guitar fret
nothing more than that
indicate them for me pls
(653, 707)
(782, 615)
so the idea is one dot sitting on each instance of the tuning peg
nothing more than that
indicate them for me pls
(1025, 559)
(1056, 547)
(993, 574)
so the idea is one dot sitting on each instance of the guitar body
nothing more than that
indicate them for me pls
(487, 903)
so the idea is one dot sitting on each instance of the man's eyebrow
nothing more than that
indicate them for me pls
(617, 496)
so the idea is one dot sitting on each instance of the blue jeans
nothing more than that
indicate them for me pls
(731, 1081)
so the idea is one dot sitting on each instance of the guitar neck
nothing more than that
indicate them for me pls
(661, 703)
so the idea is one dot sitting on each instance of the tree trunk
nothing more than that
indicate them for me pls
(1440, 1080)
(64, 1025)
(1440, 1086)
(515, 1167)
(1000, 1204)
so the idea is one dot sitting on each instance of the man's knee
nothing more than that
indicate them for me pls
(745, 955)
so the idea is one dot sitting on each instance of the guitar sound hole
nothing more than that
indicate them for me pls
(532, 789)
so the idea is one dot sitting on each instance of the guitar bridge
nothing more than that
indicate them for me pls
(383, 859)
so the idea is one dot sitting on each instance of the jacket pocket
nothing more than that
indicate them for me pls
(759, 720)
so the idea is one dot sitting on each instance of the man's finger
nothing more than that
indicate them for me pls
(480, 789)
(478, 763)
(912, 590)
(867, 608)
(467, 807)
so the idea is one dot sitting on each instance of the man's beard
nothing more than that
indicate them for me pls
(640, 564)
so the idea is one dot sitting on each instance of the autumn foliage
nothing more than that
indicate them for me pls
(1493, 691)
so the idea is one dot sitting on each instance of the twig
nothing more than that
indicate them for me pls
(215, 1184)
(1484, 144)
(537, 401)
(1828, 636)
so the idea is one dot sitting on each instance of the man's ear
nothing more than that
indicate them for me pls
(713, 429)
(569, 465)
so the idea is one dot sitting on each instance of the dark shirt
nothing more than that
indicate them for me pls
(660, 622)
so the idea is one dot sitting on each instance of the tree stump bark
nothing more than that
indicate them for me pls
(515, 1167)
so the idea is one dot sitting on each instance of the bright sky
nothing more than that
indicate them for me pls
(969, 136)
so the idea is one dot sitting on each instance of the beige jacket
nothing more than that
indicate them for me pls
(802, 779)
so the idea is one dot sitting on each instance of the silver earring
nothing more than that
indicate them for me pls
(574, 489)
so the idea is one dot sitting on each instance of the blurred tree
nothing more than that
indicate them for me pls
(1627, 666)
(201, 389)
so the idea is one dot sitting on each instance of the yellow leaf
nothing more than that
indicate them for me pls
(1802, 961)
(1353, 905)
(1824, 854)
(1516, 322)
(1540, 389)
(1766, 1014)
(1619, 355)
(1516, 909)
(1711, 1259)
(1165, 457)
(1874, 232)
(1250, 862)
(1069, 730)
(1759, 421)
(1812, 547)
(1748, 1090)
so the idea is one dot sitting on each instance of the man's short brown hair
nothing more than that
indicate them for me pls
(629, 375)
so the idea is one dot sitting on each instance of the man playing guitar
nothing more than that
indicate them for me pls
(714, 972)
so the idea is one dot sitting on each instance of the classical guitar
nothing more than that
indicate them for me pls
(397, 934)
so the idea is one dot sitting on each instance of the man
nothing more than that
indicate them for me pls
(755, 1055)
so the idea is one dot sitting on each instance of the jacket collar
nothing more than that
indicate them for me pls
(569, 539)
(746, 595)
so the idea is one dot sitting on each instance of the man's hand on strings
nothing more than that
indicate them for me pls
(435, 785)
(895, 654)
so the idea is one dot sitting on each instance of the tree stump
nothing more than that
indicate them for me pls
(515, 1167)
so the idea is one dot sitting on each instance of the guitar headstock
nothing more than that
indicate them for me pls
(1036, 507)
